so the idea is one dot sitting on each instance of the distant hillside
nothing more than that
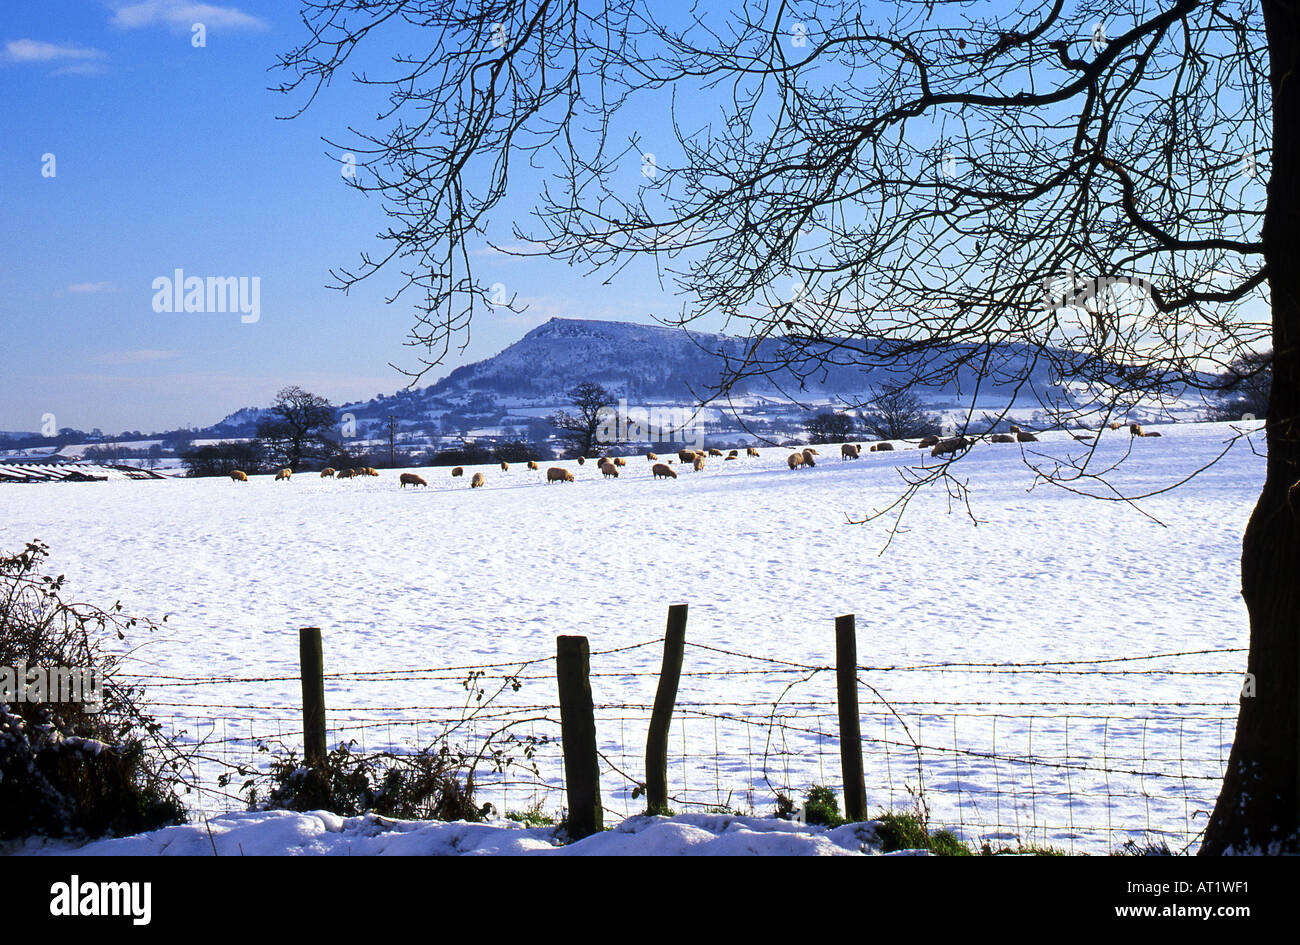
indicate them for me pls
(647, 364)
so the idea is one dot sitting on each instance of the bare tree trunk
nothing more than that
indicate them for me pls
(1257, 808)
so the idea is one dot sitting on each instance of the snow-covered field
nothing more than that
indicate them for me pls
(407, 582)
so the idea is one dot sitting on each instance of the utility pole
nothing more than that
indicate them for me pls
(392, 435)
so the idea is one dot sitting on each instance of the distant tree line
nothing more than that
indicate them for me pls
(301, 432)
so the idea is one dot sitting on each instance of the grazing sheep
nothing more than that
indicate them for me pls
(327, 472)
(610, 470)
(950, 445)
(238, 475)
(284, 474)
(663, 472)
(928, 441)
(505, 467)
(620, 461)
(750, 451)
(411, 479)
(730, 458)
(477, 481)
(1114, 425)
(372, 471)
(582, 460)
(1135, 429)
(699, 462)
(1024, 437)
(808, 458)
(650, 457)
(558, 474)
(686, 456)
(532, 464)
(457, 472)
(794, 460)
(345, 474)
(882, 447)
(850, 451)
(732, 455)
(1002, 438)
(713, 452)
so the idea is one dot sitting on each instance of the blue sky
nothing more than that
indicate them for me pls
(170, 156)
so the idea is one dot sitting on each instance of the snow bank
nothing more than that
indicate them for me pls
(319, 833)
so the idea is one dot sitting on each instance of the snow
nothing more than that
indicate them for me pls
(320, 833)
(406, 580)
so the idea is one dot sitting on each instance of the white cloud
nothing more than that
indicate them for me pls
(139, 356)
(81, 68)
(182, 13)
(35, 50)
(90, 288)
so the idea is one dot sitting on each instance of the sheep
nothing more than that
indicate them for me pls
(532, 464)
(610, 470)
(620, 461)
(1114, 425)
(505, 467)
(699, 462)
(284, 474)
(750, 451)
(581, 460)
(411, 479)
(794, 460)
(663, 472)
(950, 445)
(558, 474)
(1013, 429)
(928, 441)
(477, 481)
(650, 457)
(1024, 437)
(457, 472)
(730, 458)
(686, 456)
(327, 472)
(372, 471)
(849, 451)
(1002, 438)
(238, 475)
(732, 455)
(713, 452)
(1135, 429)
(882, 447)
(345, 474)
(808, 460)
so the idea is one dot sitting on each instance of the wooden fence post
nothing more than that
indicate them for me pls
(656, 743)
(312, 663)
(846, 674)
(578, 736)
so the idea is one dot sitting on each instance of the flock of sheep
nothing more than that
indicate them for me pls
(609, 466)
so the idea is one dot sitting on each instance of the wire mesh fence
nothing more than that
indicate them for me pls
(1055, 753)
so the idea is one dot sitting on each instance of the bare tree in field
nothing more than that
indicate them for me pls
(298, 427)
(592, 406)
(896, 414)
(955, 193)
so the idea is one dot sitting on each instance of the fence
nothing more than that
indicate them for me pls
(1000, 767)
